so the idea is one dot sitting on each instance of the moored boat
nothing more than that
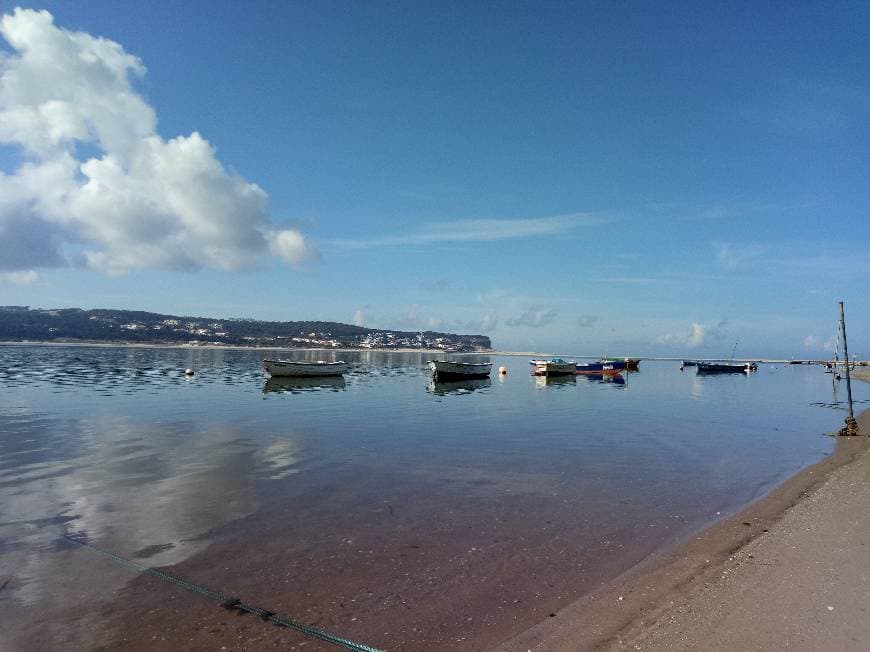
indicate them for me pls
(599, 367)
(632, 364)
(689, 363)
(304, 369)
(726, 367)
(452, 370)
(552, 367)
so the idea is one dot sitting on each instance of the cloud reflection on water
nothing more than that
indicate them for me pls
(149, 491)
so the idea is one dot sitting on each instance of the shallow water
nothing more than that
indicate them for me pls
(382, 506)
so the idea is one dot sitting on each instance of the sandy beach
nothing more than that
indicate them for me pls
(790, 571)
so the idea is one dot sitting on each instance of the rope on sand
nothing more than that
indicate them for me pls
(228, 602)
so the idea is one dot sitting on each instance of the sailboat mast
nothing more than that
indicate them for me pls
(846, 355)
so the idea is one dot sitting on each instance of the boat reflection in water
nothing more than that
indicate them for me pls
(550, 381)
(457, 386)
(298, 384)
(610, 379)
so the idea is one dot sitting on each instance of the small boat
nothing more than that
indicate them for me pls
(553, 367)
(599, 367)
(308, 369)
(690, 363)
(632, 364)
(726, 367)
(451, 370)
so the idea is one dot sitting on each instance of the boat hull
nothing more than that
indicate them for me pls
(450, 370)
(304, 369)
(725, 368)
(554, 367)
(599, 367)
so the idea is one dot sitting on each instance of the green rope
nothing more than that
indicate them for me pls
(227, 601)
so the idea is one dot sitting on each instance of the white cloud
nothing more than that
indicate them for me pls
(416, 319)
(24, 277)
(487, 324)
(697, 335)
(533, 318)
(142, 202)
(483, 230)
(816, 343)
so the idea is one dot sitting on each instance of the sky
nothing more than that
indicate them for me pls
(629, 178)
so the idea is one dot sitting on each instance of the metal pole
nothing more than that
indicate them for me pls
(851, 420)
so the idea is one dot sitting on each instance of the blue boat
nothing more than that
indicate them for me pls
(726, 367)
(600, 367)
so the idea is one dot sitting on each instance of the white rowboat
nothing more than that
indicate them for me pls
(553, 367)
(450, 370)
(309, 369)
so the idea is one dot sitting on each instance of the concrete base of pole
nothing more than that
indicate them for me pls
(851, 428)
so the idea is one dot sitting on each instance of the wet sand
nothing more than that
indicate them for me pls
(861, 373)
(403, 584)
(790, 571)
(397, 583)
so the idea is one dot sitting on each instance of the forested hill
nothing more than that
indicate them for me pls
(19, 323)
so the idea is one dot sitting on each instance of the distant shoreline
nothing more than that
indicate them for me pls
(232, 347)
(242, 347)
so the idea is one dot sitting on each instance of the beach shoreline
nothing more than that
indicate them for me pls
(674, 598)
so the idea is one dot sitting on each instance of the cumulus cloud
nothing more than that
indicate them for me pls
(25, 277)
(816, 343)
(486, 324)
(696, 336)
(416, 319)
(533, 318)
(141, 201)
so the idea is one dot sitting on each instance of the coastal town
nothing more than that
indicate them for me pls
(71, 325)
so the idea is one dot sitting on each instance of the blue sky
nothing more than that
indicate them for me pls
(635, 178)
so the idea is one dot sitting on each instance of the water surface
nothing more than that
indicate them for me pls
(382, 506)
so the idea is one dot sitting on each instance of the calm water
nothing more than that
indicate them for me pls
(380, 506)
